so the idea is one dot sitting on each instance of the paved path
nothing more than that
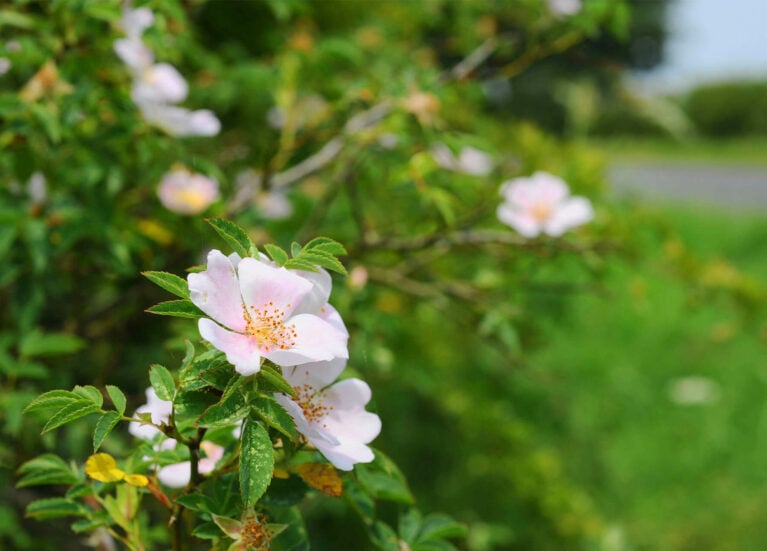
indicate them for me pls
(733, 187)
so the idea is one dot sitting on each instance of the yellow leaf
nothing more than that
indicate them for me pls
(280, 473)
(321, 477)
(136, 480)
(102, 467)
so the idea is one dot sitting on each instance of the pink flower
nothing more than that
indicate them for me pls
(332, 418)
(542, 204)
(178, 475)
(186, 192)
(262, 311)
(564, 8)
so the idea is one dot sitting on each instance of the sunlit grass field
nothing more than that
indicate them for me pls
(669, 475)
(741, 151)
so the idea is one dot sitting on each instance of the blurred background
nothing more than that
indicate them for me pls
(605, 392)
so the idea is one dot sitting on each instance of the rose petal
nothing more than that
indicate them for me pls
(316, 340)
(262, 285)
(241, 351)
(216, 291)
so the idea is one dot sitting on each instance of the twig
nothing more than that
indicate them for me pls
(468, 64)
(364, 120)
(477, 237)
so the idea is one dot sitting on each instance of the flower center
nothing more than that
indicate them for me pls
(267, 327)
(311, 403)
(541, 211)
(254, 535)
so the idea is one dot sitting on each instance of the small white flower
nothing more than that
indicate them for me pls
(564, 8)
(332, 418)
(261, 311)
(159, 83)
(178, 121)
(688, 391)
(186, 192)
(134, 53)
(135, 21)
(542, 204)
(470, 160)
(5, 65)
(37, 188)
(160, 411)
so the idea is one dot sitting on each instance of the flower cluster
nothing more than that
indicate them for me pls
(158, 87)
(542, 203)
(263, 312)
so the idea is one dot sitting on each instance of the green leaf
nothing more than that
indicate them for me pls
(117, 397)
(206, 531)
(256, 462)
(227, 412)
(440, 526)
(104, 426)
(409, 525)
(196, 502)
(162, 382)
(46, 469)
(276, 253)
(275, 378)
(89, 392)
(381, 479)
(326, 245)
(233, 234)
(325, 260)
(55, 507)
(71, 412)
(192, 404)
(294, 537)
(36, 343)
(274, 415)
(87, 525)
(285, 492)
(434, 545)
(170, 282)
(295, 249)
(52, 399)
(298, 264)
(176, 308)
(383, 537)
(188, 356)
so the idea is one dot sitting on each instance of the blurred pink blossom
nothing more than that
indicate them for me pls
(542, 203)
(186, 192)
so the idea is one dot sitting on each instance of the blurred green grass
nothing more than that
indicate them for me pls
(745, 150)
(665, 475)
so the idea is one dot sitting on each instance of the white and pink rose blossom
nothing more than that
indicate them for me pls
(332, 418)
(185, 192)
(542, 203)
(157, 87)
(258, 310)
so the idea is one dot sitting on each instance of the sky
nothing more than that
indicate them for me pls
(711, 40)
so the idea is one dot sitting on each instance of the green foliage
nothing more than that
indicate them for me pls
(728, 109)
(335, 109)
(256, 463)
